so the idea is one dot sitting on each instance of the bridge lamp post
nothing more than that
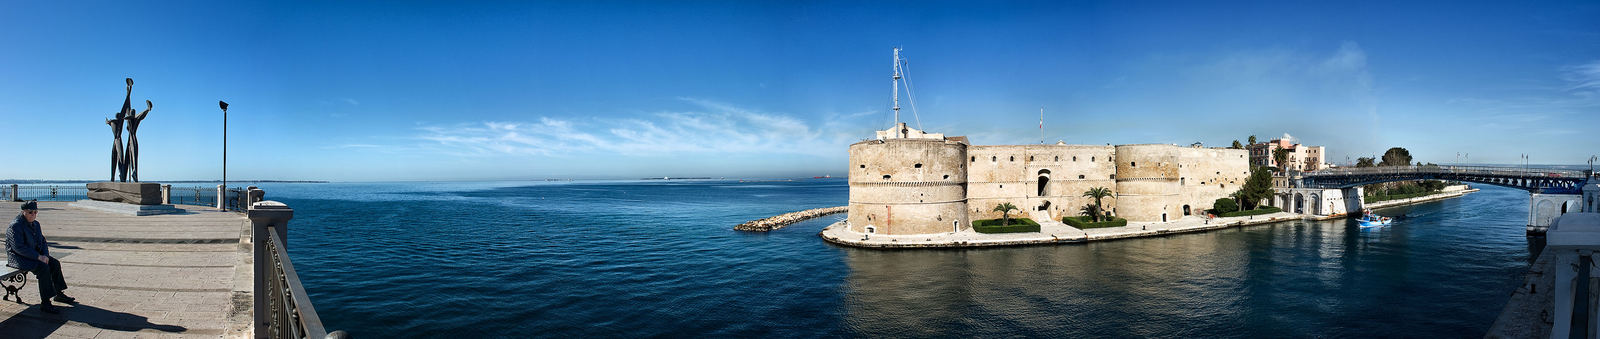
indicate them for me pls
(1592, 158)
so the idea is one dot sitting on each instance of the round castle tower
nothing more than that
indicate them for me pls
(908, 182)
(1147, 183)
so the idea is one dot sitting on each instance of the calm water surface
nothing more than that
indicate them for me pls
(658, 258)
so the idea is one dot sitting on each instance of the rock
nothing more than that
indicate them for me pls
(138, 193)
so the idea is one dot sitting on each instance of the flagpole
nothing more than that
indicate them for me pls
(1041, 125)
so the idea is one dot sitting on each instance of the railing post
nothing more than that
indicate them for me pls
(263, 215)
(14, 196)
(222, 197)
(252, 195)
(166, 194)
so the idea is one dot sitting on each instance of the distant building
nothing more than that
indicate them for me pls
(1300, 157)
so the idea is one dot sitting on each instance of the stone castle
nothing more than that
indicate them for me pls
(908, 181)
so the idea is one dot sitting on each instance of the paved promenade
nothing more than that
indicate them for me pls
(161, 276)
(1050, 232)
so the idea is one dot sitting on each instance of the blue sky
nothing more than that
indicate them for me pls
(357, 91)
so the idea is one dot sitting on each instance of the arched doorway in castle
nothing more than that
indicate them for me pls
(1186, 210)
(1316, 204)
(1045, 206)
(1299, 203)
(1044, 179)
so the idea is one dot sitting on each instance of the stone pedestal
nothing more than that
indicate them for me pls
(138, 193)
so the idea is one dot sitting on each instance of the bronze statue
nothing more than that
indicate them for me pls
(116, 145)
(132, 156)
(118, 161)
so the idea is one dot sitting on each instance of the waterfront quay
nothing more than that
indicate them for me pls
(1056, 232)
(182, 275)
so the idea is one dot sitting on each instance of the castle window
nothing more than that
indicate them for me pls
(885, 177)
(1091, 159)
(1224, 186)
(1013, 158)
(1030, 158)
(1113, 176)
(1080, 176)
(863, 166)
(1133, 164)
(974, 159)
(1074, 158)
(993, 158)
(947, 176)
(1058, 158)
(918, 165)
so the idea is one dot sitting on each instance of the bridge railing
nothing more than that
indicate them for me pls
(1478, 170)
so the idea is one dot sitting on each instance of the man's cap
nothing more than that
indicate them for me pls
(31, 205)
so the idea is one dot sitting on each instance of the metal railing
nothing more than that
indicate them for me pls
(292, 314)
(45, 192)
(1472, 170)
(207, 196)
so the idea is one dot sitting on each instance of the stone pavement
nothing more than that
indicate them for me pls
(182, 275)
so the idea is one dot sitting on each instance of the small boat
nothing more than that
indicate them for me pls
(1370, 219)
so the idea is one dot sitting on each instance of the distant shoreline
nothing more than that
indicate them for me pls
(47, 182)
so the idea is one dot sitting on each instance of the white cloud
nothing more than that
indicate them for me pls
(715, 128)
(1585, 78)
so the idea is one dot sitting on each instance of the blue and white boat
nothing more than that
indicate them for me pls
(1369, 220)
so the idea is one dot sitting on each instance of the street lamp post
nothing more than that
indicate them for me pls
(224, 191)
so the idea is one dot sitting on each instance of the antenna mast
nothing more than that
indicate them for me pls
(896, 85)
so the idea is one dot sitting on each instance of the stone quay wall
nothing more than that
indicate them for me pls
(768, 224)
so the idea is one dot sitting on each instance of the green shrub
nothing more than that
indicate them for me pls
(1018, 225)
(1086, 222)
(1258, 211)
(1224, 205)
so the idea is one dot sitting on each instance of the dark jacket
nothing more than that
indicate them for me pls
(25, 243)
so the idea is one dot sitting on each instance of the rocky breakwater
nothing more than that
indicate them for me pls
(768, 224)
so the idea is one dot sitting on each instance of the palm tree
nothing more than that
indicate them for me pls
(1089, 211)
(1097, 193)
(1005, 212)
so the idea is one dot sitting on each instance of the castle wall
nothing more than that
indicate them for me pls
(1206, 174)
(925, 185)
(908, 186)
(1148, 183)
(1001, 174)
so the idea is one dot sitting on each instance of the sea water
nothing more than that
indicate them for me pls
(659, 258)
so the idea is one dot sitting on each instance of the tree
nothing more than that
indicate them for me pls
(1090, 211)
(1005, 213)
(1252, 140)
(1224, 205)
(1396, 156)
(1281, 156)
(1236, 145)
(1364, 162)
(1097, 193)
(1256, 188)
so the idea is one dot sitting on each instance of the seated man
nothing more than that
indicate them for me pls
(26, 246)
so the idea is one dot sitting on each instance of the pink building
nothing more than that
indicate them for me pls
(1300, 157)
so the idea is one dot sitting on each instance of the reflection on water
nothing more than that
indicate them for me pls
(1457, 258)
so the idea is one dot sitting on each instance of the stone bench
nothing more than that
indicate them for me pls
(13, 279)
